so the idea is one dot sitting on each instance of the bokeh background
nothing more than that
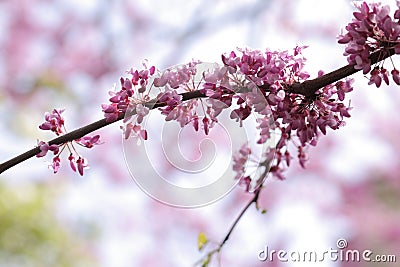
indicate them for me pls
(69, 53)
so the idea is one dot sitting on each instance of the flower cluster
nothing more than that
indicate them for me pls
(239, 166)
(131, 99)
(373, 30)
(248, 81)
(55, 122)
(131, 93)
(299, 120)
(134, 103)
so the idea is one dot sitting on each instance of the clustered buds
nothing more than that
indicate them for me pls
(373, 30)
(55, 122)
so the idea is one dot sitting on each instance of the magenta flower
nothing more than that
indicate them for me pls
(81, 163)
(72, 162)
(396, 76)
(44, 147)
(53, 121)
(135, 130)
(372, 30)
(55, 165)
(88, 141)
(239, 161)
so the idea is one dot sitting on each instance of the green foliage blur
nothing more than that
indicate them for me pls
(30, 233)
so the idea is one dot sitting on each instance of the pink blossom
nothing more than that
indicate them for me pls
(172, 99)
(55, 165)
(81, 163)
(141, 112)
(206, 125)
(343, 88)
(375, 77)
(88, 141)
(302, 157)
(175, 77)
(53, 121)
(44, 147)
(239, 161)
(241, 113)
(246, 182)
(135, 130)
(396, 76)
(372, 30)
(131, 94)
(72, 162)
(110, 112)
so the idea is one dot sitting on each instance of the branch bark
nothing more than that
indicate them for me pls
(309, 87)
(306, 88)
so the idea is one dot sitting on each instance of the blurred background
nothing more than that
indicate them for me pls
(69, 53)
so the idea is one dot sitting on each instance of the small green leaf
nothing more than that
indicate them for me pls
(206, 261)
(201, 241)
(263, 211)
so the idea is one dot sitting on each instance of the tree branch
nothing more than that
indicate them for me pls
(306, 88)
(208, 256)
(309, 87)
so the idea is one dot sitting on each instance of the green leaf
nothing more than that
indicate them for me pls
(201, 241)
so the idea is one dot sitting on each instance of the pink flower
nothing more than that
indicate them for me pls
(245, 181)
(88, 141)
(135, 130)
(177, 76)
(206, 125)
(110, 112)
(372, 30)
(131, 93)
(375, 77)
(265, 125)
(44, 147)
(141, 111)
(239, 161)
(53, 121)
(302, 157)
(172, 99)
(72, 162)
(241, 113)
(277, 172)
(343, 88)
(81, 163)
(396, 76)
(55, 165)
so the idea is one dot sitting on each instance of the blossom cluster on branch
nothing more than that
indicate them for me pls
(55, 122)
(373, 30)
(249, 81)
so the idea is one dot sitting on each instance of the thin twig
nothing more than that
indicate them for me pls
(218, 249)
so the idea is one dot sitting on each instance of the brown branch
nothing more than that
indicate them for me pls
(76, 134)
(254, 199)
(80, 132)
(309, 87)
(306, 88)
